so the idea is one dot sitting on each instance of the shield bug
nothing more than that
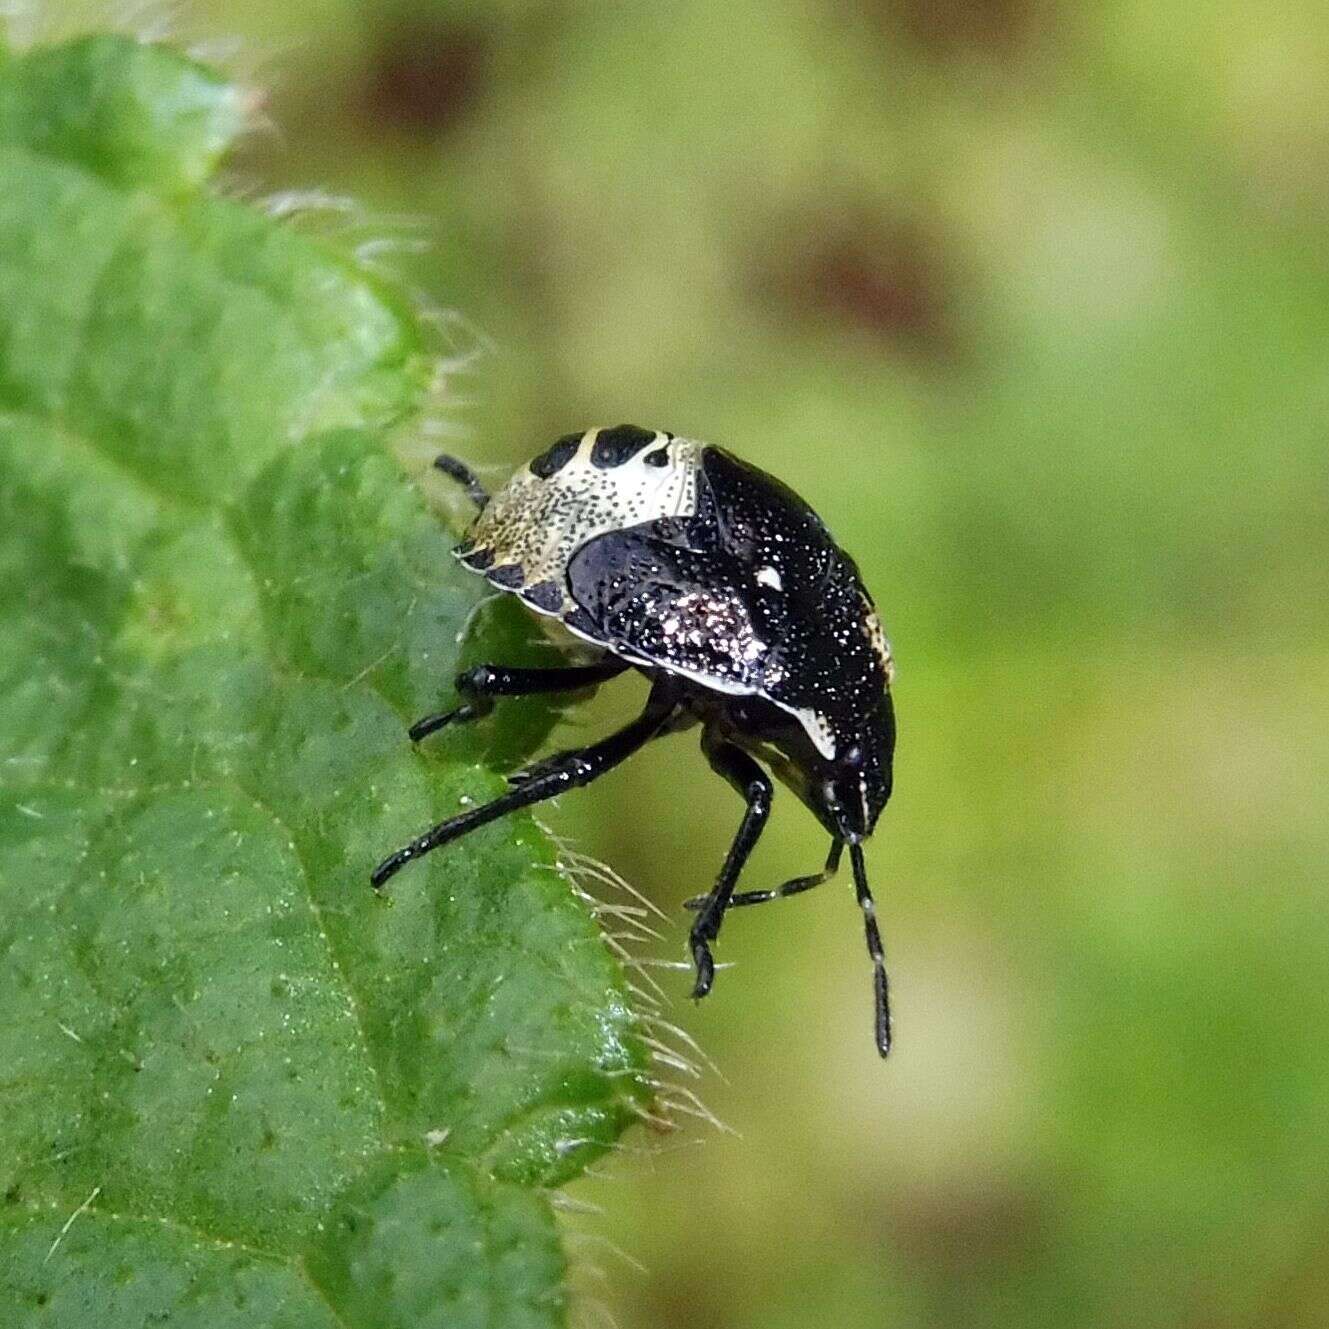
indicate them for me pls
(726, 590)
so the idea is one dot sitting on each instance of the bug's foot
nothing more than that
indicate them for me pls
(431, 724)
(701, 954)
(468, 710)
(389, 867)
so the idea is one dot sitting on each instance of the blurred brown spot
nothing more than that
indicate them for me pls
(1297, 1294)
(868, 275)
(993, 1226)
(426, 74)
(949, 27)
(680, 1303)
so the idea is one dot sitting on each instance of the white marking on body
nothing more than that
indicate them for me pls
(541, 523)
(818, 729)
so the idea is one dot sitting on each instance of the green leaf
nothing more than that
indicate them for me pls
(237, 1088)
(119, 110)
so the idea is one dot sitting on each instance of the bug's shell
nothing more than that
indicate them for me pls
(675, 555)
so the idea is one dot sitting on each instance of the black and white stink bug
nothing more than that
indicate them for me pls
(726, 590)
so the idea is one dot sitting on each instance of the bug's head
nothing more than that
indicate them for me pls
(850, 789)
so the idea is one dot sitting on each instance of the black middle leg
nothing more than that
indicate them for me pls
(755, 785)
(483, 683)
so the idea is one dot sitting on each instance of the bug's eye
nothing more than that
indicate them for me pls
(660, 457)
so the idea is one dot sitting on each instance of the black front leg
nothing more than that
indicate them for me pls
(881, 990)
(485, 682)
(567, 770)
(755, 785)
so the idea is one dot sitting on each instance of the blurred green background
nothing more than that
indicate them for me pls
(1031, 300)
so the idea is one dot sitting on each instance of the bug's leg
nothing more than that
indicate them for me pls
(795, 887)
(880, 987)
(464, 476)
(431, 724)
(568, 770)
(485, 682)
(754, 784)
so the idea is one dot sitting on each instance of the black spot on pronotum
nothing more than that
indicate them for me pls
(554, 459)
(660, 457)
(507, 575)
(621, 443)
(479, 559)
(544, 595)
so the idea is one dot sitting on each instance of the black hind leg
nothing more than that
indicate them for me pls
(485, 682)
(755, 785)
(568, 770)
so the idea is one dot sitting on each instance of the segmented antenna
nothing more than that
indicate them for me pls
(465, 477)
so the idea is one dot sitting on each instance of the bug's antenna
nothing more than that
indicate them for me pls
(880, 987)
(465, 477)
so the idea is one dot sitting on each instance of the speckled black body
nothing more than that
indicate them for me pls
(750, 599)
(727, 590)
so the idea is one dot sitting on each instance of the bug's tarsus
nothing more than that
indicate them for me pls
(566, 770)
(880, 986)
(795, 887)
(755, 785)
(431, 724)
(483, 683)
(464, 476)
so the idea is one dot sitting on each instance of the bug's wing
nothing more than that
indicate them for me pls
(695, 610)
(748, 595)
(763, 523)
(828, 650)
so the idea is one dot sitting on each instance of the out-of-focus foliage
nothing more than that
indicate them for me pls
(1030, 299)
(235, 1089)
